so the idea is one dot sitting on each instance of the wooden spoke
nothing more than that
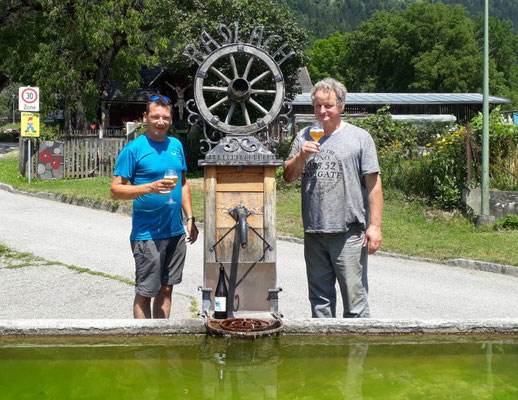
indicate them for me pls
(248, 67)
(230, 113)
(218, 103)
(245, 113)
(220, 74)
(262, 91)
(216, 89)
(260, 77)
(234, 66)
(258, 106)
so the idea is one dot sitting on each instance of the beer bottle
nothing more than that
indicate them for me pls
(220, 297)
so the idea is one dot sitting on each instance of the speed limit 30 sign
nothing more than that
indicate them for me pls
(29, 99)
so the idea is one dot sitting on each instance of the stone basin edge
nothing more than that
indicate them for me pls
(299, 326)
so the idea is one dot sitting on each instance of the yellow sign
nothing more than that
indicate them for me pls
(30, 124)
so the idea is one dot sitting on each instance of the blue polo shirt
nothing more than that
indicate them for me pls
(144, 161)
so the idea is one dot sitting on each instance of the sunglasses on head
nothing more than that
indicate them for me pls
(158, 97)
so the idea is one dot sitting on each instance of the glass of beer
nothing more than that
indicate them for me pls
(171, 174)
(316, 132)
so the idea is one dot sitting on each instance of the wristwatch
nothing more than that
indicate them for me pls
(190, 217)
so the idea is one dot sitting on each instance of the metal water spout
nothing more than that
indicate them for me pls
(240, 214)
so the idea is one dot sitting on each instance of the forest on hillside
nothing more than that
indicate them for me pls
(324, 17)
(435, 48)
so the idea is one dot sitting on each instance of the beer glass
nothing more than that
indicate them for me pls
(316, 132)
(171, 174)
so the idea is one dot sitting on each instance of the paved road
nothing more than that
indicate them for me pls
(98, 241)
(6, 147)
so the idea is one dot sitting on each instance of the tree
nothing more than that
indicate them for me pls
(447, 57)
(327, 58)
(324, 17)
(71, 49)
(275, 18)
(379, 54)
(503, 56)
(424, 48)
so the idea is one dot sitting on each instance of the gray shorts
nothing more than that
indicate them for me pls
(158, 263)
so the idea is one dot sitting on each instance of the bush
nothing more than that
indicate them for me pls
(447, 157)
(9, 133)
(388, 133)
(49, 130)
(8, 137)
(503, 147)
(509, 222)
(438, 174)
(283, 185)
(282, 148)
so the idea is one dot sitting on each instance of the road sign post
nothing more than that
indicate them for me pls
(30, 128)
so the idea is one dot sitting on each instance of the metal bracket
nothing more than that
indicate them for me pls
(273, 297)
(268, 246)
(205, 301)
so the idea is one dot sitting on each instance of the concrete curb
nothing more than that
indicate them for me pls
(96, 205)
(127, 210)
(309, 326)
(98, 327)
(368, 326)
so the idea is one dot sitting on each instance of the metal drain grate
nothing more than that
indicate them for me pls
(248, 328)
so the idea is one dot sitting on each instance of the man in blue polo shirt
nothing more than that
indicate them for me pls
(158, 238)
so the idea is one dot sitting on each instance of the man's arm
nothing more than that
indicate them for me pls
(192, 230)
(375, 198)
(294, 166)
(120, 190)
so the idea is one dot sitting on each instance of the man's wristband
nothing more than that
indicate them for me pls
(190, 217)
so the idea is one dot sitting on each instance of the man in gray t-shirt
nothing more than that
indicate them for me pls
(342, 204)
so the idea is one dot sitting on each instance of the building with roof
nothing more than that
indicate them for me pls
(464, 106)
(119, 107)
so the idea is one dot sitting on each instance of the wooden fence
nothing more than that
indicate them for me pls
(91, 157)
(83, 157)
(506, 165)
(107, 133)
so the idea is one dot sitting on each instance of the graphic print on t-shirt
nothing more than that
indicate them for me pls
(323, 172)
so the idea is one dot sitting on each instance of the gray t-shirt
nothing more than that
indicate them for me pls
(334, 195)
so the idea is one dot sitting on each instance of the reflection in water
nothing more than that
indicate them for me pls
(354, 375)
(489, 361)
(251, 368)
(265, 368)
(283, 367)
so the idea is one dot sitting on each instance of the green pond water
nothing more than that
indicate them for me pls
(281, 367)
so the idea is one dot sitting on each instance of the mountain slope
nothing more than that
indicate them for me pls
(324, 17)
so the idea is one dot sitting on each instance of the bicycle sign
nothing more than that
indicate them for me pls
(29, 99)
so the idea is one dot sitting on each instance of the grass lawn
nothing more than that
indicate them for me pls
(412, 229)
(408, 227)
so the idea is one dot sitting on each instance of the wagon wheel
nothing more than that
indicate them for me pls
(229, 98)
